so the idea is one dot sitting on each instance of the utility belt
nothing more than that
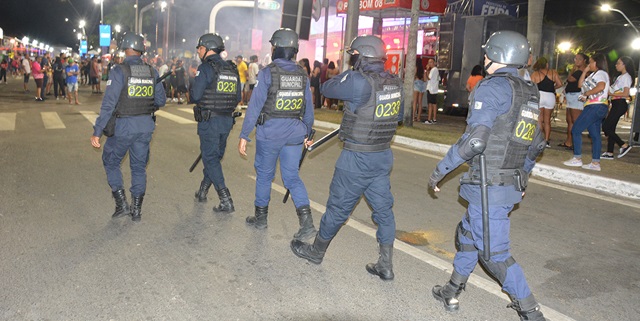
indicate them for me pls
(263, 117)
(366, 148)
(201, 114)
(110, 129)
(516, 177)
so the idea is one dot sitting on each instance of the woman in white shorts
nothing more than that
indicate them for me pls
(547, 81)
(572, 92)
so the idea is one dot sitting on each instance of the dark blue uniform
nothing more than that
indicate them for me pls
(492, 98)
(214, 132)
(132, 133)
(278, 138)
(359, 173)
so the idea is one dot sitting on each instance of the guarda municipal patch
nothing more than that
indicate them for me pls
(477, 105)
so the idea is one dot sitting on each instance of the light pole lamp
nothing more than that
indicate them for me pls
(562, 48)
(636, 118)
(101, 5)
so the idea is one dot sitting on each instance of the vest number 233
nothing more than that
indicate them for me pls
(525, 130)
(388, 109)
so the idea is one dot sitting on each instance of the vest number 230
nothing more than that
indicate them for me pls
(525, 130)
(140, 91)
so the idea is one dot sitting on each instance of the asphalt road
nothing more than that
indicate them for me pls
(64, 258)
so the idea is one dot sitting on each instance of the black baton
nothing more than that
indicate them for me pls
(193, 166)
(484, 198)
(323, 140)
(304, 153)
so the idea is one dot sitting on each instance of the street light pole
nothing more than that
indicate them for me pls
(101, 15)
(635, 120)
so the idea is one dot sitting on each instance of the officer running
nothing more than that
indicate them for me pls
(281, 108)
(216, 91)
(373, 107)
(502, 125)
(126, 118)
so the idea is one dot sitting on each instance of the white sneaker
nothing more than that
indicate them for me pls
(592, 166)
(175, 100)
(181, 100)
(573, 162)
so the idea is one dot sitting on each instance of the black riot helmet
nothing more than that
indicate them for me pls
(211, 41)
(132, 41)
(368, 46)
(508, 48)
(285, 38)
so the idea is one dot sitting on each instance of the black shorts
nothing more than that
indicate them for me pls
(93, 80)
(182, 89)
(26, 78)
(251, 86)
(432, 98)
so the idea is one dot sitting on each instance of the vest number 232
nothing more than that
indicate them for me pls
(289, 104)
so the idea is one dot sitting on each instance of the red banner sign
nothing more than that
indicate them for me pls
(434, 6)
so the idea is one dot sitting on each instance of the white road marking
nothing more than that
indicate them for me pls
(172, 117)
(51, 120)
(7, 121)
(487, 285)
(90, 116)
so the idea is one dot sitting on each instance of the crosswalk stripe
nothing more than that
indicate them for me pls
(90, 116)
(172, 117)
(7, 121)
(51, 120)
(186, 110)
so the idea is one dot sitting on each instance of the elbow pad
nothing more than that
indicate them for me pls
(475, 142)
(537, 146)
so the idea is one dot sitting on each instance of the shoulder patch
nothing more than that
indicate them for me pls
(197, 73)
(477, 105)
(108, 82)
(344, 78)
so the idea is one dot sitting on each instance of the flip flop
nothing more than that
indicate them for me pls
(564, 145)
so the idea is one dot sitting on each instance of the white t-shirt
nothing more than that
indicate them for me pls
(26, 64)
(253, 73)
(434, 80)
(591, 81)
(623, 81)
(163, 69)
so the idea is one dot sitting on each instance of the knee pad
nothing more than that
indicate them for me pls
(497, 269)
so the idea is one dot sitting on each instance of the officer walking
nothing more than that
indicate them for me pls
(373, 107)
(216, 91)
(281, 108)
(502, 125)
(126, 118)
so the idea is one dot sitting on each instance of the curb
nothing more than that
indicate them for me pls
(551, 173)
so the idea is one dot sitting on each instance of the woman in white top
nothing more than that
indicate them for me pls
(595, 92)
(618, 93)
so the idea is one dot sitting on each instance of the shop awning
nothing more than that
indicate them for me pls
(394, 8)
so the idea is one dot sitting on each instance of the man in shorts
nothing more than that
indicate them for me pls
(72, 71)
(26, 71)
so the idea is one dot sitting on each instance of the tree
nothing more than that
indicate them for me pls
(410, 65)
(534, 25)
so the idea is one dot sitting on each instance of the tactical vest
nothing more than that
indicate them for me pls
(221, 97)
(373, 125)
(137, 95)
(286, 95)
(511, 135)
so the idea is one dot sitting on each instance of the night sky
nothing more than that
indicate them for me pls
(44, 20)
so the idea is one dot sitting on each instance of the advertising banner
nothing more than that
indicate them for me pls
(490, 8)
(105, 35)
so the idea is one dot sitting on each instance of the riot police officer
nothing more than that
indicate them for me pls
(373, 107)
(502, 127)
(216, 91)
(126, 118)
(281, 108)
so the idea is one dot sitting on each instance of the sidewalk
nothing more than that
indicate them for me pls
(618, 177)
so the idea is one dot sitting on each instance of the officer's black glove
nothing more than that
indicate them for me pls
(435, 178)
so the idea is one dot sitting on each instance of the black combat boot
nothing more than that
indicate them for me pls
(122, 207)
(527, 308)
(313, 253)
(307, 229)
(226, 203)
(448, 294)
(384, 267)
(259, 220)
(136, 208)
(201, 194)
